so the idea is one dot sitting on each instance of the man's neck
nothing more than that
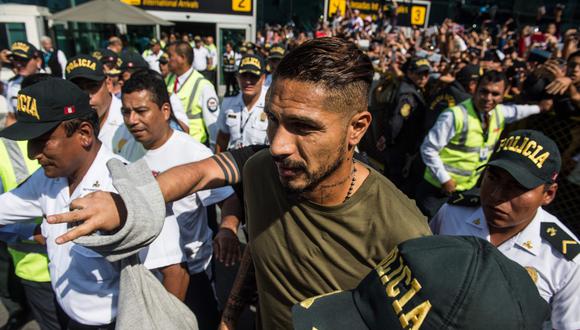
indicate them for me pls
(103, 118)
(498, 236)
(77, 176)
(250, 101)
(181, 71)
(340, 185)
(168, 131)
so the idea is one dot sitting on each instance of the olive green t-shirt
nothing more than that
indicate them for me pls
(301, 249)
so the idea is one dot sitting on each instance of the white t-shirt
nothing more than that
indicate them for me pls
(200, 56)
(86, 285)
(557, 279)
(189, 213)
(113, 133)
(245, 127)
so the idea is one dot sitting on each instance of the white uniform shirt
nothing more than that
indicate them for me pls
(113, 133)
(86, 285)
(12, 89)
(153, 60)
(245, 127)
(558, 279)
(178, 109)
(189, 213)
(444, 130)
(208, 101)
(200, 56)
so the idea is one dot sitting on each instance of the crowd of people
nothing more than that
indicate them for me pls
(347, 155)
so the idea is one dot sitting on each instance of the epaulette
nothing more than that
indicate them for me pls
(560, 240)
(464, 199)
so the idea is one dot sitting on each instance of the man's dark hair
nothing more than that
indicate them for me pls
(184, 49)
(574, 54)
(492, 76)
(151, 81)
(35, 78)
(334, 64)
(71, 126)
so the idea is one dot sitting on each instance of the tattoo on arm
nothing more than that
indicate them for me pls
(242, 291)
(229, 167)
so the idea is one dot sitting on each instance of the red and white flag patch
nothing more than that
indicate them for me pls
(69, 110)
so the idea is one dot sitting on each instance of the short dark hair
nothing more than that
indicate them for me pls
(338, 66)
(574, 54)
(184, 49)
(71, 126)
(148, 80)
(493, 76)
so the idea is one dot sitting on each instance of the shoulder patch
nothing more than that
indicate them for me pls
(560, 240)
(464, 199)
(405, 110)
(212, 104)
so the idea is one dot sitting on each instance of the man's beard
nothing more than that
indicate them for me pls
(313, 179)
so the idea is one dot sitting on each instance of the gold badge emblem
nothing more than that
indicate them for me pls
(96, 184)
(477, 222)
(533, 273)
(406, 110)
(551, 231)
(263, 116)
(528, 245)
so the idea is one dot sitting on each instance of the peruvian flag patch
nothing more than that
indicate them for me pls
(69, 110)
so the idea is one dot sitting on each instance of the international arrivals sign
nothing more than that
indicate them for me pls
(231, 7)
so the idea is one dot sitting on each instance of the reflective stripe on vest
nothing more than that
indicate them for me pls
(189, 94)
(468, 151)
(15, 167)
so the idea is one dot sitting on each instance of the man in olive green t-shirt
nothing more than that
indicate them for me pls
(318, 220)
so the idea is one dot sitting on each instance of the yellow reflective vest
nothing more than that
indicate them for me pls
(15, 168)
(471, 147)
(189, 94)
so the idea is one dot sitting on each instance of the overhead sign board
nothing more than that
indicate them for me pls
(228, 7)
(408, 12)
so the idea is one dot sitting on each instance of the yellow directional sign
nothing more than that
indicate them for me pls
(418, 15)
(242, 5)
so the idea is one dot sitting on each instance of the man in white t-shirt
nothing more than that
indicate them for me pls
(146, 112)
(87, 73)
(201, 58)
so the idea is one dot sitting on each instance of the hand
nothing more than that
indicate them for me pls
(381, 143)
(449, 187)
(226, 247)
(37, 236)
(559, 86)
(546, 105)
(225, 326)
(99, 210)
(554, 68)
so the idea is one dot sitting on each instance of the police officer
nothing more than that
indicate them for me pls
(454, 93)
(519, 180)
(242, 121)
(229, 67)
(197, 94)
(462, 140)
(153, 54)
(404, 122)
(27, 60)
(274, 57)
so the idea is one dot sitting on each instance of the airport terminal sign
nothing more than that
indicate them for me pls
(408, 12)
(232, 7)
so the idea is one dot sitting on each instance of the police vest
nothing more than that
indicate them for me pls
(189, 93)
(469, 148)
(29, 263)
(229, 63)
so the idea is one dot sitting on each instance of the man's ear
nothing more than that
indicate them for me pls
(359, 123)
(86, 135)
(549, 194)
